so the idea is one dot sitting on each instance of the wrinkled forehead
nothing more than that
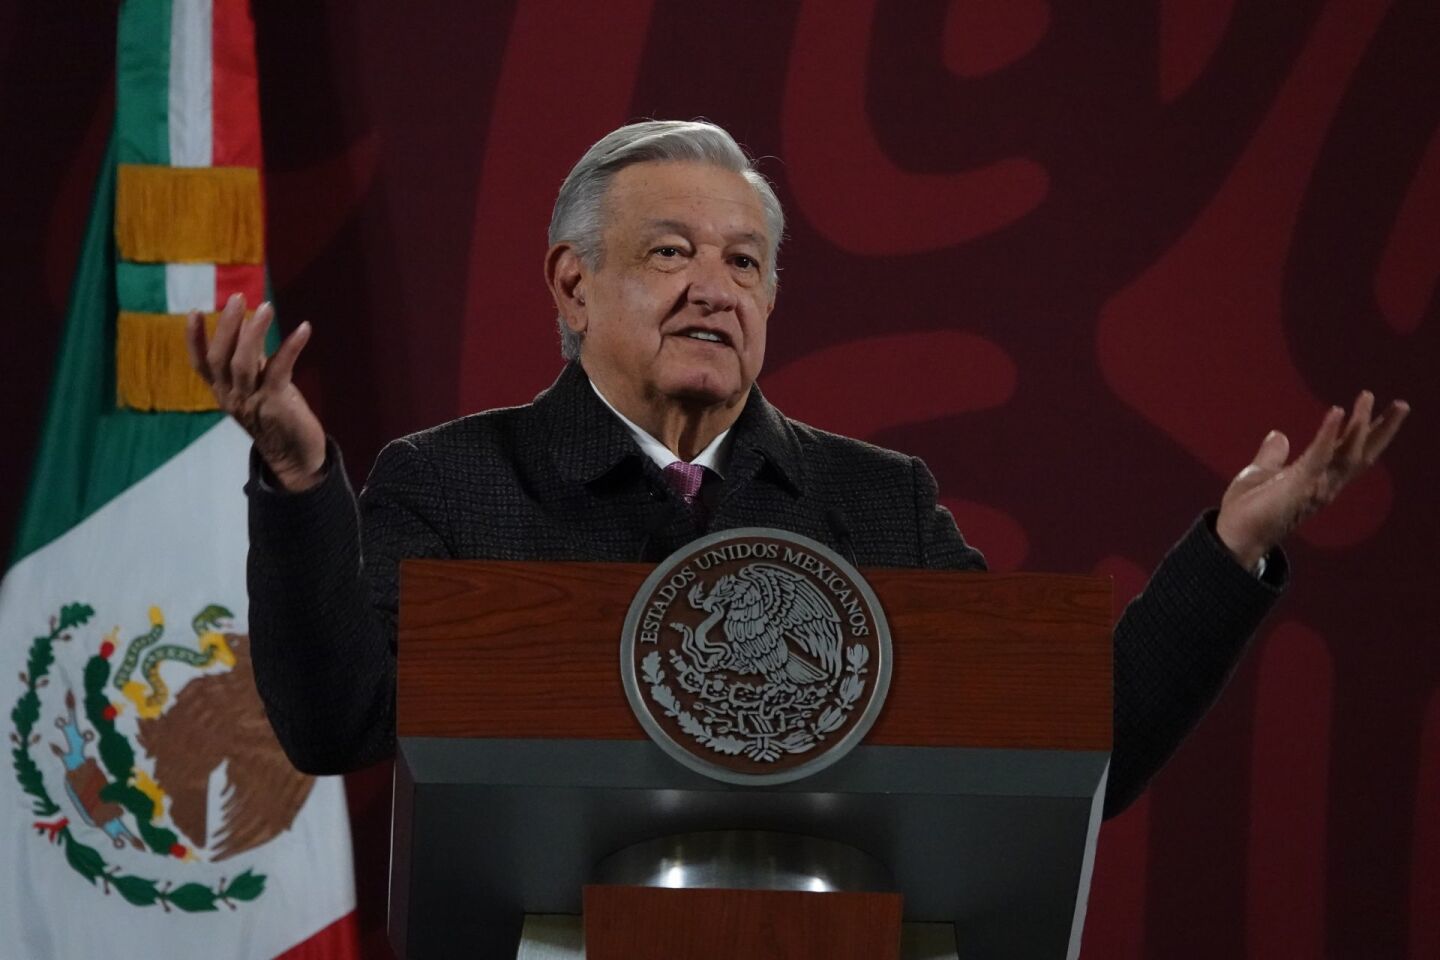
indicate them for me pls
(685, 195)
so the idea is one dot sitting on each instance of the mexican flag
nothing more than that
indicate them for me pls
(147, 810)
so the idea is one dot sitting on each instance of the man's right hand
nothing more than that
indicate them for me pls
(258, 391)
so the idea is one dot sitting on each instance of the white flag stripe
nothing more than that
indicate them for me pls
(189, 286)
(176, 541)
(191, 58)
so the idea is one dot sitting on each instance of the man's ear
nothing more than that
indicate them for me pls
(565, 275)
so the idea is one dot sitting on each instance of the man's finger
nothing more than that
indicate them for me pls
(249, 354)
(1385, 429)
(1274, 451)
(195, 344)
(282, 365)
(1321, 450)
(1352, 441)
(222, 343)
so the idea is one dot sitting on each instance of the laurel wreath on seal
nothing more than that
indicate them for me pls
(764, 749)
(119, 760)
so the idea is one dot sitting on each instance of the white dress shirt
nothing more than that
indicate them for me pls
(713, 457)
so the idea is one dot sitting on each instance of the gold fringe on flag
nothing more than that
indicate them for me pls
(189, 214)
(152, 364)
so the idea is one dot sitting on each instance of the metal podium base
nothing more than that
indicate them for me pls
(746, 860)
(489, 831)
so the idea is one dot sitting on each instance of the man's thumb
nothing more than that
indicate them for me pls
(1274, 451)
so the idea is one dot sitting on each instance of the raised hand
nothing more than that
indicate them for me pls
(258, 391)
(1270, 498)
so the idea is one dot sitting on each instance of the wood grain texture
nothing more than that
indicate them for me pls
(509, 649)
(652, 923)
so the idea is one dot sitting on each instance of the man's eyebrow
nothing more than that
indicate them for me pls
(653, 227)
(749, 236)
(666, 226)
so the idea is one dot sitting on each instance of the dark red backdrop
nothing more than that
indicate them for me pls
(1079, 260)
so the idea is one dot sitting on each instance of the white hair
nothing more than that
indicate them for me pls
(579, 213)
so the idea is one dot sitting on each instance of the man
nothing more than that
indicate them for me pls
(662, 265)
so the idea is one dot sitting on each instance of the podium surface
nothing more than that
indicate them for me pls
(520, 766)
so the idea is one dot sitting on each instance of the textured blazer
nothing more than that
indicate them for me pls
(562, 479)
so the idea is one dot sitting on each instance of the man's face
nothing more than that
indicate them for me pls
(676, 310)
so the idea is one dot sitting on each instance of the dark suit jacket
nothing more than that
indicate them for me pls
(562, 479)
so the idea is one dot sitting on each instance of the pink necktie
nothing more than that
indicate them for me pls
(685, 479)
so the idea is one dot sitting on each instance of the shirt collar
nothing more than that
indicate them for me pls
(589, 440)
(713, 457)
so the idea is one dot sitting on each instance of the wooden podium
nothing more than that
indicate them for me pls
(520, 768)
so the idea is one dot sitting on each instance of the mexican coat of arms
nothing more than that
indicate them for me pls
(756, 656)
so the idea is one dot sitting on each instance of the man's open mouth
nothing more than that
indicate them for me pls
(707, 336)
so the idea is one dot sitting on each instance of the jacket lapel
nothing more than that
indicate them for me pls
(601, 483)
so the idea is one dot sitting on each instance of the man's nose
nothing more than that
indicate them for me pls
(711, 285)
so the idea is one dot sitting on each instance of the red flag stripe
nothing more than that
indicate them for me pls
(235, 97)
(235, 124)
(339, 941)
(246, 278)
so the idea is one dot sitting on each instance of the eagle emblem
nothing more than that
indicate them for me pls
(756, 656)
(161, 762)
(776, 624)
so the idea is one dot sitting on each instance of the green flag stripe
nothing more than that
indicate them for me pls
(89, 451)
(141, 286)
(142, 125)
(142, 95)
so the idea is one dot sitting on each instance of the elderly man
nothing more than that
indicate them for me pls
(662, 265)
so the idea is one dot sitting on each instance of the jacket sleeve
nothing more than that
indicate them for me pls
(323, 577)
(1176, 645)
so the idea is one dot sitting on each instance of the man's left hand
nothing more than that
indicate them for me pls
(1270, 498)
